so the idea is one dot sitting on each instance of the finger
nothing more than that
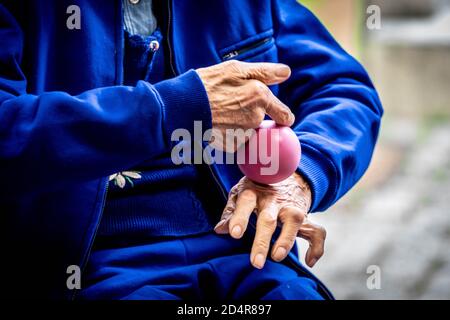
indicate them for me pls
(222, 226)
(278, 111)
(266, 72)
(265, 227)
(245, 204)
(316, 236)
(292, 219)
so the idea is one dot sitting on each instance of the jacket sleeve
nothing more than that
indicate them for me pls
(337, 109)
(53, 137)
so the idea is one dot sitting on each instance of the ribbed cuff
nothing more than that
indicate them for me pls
(184, 101)
(321, 176)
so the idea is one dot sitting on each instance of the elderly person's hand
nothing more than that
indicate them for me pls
(285, 203)
(239, 96)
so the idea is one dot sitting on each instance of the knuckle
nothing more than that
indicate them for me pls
(268, 220)
(262, 243)
(319, 253)
(269, 224)
(259, 73)
(297, 216)
(260, 89)
(228, 209)
(232, 64)
(257, 118)
(323, 232)
(234, 67)
(247, 195)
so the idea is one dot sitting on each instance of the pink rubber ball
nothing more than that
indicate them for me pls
(271, 155)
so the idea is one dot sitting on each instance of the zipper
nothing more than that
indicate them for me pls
(91, 244)
(84, 262)
(243, 50)
(169, 24)
(222, 190)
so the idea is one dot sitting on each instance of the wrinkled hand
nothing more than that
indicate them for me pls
(285, 203)
(239, 97)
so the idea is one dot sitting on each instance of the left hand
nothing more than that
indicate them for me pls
(286, 203)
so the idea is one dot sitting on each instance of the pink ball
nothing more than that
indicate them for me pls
(271, 155)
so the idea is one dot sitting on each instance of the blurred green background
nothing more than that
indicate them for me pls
(397, 218)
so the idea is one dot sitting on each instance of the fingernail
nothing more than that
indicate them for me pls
(259, 261)
(290, 119)
(218, 226)
(279, 254)
(313, 262)
(221, 222)
(236, 231)
(283, 71)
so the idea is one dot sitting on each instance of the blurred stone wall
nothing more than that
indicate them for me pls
(409, 58)
(397, 217)
(405, 8)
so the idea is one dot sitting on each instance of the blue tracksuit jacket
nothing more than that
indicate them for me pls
(66, 122)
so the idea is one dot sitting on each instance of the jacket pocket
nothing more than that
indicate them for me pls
(249, 48)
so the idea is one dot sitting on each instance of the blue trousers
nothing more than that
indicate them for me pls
(204, 267)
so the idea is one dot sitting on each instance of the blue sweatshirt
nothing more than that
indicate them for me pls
(68, 122)
(157, 197)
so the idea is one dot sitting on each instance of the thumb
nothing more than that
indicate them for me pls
(316, 236)
(266, 72)
(278, 111)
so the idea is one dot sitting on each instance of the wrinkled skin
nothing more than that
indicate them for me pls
(239, 97)
(285, 204)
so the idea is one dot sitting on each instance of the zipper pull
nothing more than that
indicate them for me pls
(230, 55)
